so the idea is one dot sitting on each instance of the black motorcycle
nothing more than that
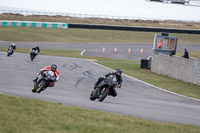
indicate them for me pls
(33, 54)
(103, 91)
(45, 79)
(10, 51)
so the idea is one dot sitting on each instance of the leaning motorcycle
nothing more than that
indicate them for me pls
(103, 89)
(44, 80)
(10, 51)
(32, 54)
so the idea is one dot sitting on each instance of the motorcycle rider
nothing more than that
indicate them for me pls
(52, 68)
(36, 49)
(117, 73)
(13, 46)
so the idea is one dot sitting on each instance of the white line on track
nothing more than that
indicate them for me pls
(83, 52)
(149, 84)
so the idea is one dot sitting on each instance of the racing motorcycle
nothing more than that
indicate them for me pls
(10, 51)
(44, 80)
(103, 91)
(32, 54)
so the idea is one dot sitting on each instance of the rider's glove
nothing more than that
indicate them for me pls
(103, 77)
(41, 71)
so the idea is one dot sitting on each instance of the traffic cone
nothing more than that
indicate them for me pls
(103, 50)
(141, 51)
(129, 50)
(115, 50)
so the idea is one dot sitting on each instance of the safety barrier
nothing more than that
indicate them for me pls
(128, 28)
(33, 24)
(92, 26)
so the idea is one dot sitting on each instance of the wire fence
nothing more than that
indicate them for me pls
(26, 13)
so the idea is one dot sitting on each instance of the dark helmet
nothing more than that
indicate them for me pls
(118, 70)
(53, 67)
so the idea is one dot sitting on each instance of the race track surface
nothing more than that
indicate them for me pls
(77, 77)
(94, 49)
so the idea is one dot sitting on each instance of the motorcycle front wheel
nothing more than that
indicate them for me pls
(92, 95)
(32, 57)
(41, 86)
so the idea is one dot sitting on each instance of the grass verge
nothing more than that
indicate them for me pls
(28, 34)
(131, 68)
(22, 115)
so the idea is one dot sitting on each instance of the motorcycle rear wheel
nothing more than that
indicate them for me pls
(103, 94)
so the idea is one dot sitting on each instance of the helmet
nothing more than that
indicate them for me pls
(13, 44)
(53, 67)
(118, 70)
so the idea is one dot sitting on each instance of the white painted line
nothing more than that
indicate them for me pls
(3, 94)
(150, 84)
(82, 52)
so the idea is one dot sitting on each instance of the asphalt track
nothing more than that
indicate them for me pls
(77, 77)
(96, 49)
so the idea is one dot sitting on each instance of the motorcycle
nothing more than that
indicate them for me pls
(44, 80)
(103, 91)
(33, 54)
(10, 51)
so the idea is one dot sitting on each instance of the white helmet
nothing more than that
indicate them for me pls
(13, 44)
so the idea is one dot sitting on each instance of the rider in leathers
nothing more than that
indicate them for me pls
(52, 68)
(113, 92)
(12, 46)
(36, 49)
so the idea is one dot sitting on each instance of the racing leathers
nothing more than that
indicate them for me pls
(36, 50)
(56, 74)
(13, 47)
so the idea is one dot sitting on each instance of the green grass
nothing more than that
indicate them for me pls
(24, 115)
(29, 34)
(131, 68)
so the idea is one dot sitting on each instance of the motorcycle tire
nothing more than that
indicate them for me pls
(41, 86)
(34, 89)
(103, 94)
(8, 55)
(32, 57)
(92, 96)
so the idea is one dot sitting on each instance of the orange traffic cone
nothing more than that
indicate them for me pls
(115, 50)
(129, 50)
(103, 50)
(141, 51)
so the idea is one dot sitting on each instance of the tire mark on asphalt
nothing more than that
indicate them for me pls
(88, 74)
(71, 67)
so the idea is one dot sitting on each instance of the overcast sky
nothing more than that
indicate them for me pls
(134, 8)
